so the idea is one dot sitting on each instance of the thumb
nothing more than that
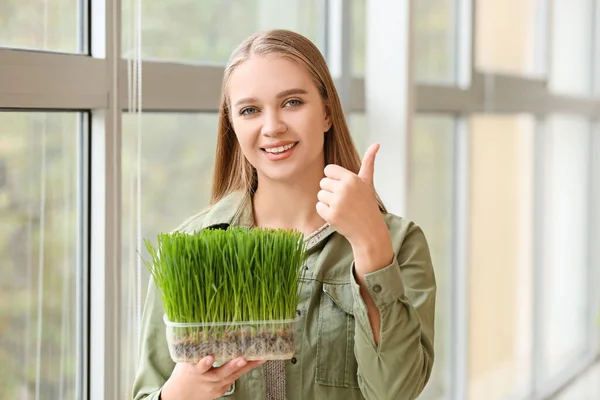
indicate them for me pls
(367, 168)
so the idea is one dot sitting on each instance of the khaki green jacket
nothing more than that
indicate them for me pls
(336, 356)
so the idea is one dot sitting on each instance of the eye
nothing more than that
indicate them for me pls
(248, 111)
(293, 103)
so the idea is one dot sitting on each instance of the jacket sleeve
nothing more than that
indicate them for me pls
(154, 363)
(399, 365)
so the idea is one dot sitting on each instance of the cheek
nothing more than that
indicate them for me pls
(310, 126)
(247, 148)
(245, 136)
(317, 134)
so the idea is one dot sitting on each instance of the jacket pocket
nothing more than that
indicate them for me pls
(336, 363)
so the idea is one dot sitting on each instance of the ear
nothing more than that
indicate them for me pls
(327, 122)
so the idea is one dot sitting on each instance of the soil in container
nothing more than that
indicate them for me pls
(263, 345)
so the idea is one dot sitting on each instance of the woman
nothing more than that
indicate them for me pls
(285, 159)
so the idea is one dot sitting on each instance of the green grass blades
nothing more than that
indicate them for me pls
(226, 276)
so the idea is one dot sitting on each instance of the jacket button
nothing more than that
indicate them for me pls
(294, 361)
(377, 288)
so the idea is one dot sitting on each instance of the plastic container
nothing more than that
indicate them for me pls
(254, 340)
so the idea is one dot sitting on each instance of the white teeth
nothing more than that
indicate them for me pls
(280, 149)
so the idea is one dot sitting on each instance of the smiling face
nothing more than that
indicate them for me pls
(279, 117)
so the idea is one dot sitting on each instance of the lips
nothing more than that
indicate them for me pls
(279, 149)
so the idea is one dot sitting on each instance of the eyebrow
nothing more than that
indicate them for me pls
(285, 93)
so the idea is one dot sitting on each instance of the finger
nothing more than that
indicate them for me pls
(325, 197)
(337, 172)
(331, 185)
(204, 364)
(323, 210)
(249, 367)
(222, 372)
(367, 168)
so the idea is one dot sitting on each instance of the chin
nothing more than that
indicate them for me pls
(284, 175)
(283, 178)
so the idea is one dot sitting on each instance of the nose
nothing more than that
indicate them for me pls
(272, 124)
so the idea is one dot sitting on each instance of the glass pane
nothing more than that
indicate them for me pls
(435, 40)
(430, 206)
(51, 25)
(39, 175)
(208, 31)
(572, 25)
(357, 122)
(565, 203)
(358, 39)
(500, 256)
(514, 49)
(177, 156)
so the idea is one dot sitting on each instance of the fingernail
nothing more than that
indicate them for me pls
(241, 363)
(209, 361)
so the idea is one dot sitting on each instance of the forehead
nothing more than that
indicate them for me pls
(264, 77)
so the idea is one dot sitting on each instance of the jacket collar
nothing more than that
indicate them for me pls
(236, 209)
(233, 209)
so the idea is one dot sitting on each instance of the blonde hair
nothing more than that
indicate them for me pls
(232, 170)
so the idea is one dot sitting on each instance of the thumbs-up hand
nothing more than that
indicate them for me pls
(367, 168)
(348, 202)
